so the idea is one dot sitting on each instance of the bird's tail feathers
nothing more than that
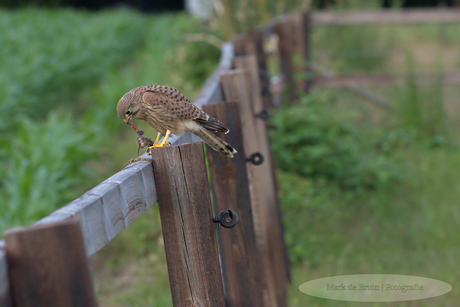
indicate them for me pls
(215, 142)
(213, 124)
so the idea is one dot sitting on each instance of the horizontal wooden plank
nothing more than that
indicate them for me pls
(111, 206)
(5, 299)
(387, 16)
(369, 96)
(383, 16)
(448, 78)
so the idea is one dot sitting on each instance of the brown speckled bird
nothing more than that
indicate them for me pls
(167, 111)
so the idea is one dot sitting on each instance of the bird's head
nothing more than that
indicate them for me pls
(128, 107)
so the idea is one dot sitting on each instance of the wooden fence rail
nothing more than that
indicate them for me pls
(36, 262)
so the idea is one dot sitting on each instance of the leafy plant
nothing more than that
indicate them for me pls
(312, 140)
(49, 56)
(44, 167)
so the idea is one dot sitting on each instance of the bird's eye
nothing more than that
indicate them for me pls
(128, 112)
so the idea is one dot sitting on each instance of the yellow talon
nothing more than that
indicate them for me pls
(162, 144)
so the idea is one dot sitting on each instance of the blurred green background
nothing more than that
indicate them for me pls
(362, 190)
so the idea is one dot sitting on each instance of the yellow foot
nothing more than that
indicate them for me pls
(138, 159)
(157, 146)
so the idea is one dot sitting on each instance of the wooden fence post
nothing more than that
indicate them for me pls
(240, 264)
(236, 85)
(294, 49)
(188, 228)
(249, 62)
(48, 266)
(252, 44)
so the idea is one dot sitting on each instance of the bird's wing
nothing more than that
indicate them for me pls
(160, 96)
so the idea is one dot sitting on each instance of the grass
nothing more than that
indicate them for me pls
(131, 270)
(404, 229)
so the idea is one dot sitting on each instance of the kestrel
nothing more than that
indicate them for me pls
(167, 111)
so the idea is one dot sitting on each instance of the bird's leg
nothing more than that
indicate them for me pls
(155, 144)
(165, 139)
(158, 138)
(162, 144)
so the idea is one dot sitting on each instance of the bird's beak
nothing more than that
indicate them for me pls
(127, 119)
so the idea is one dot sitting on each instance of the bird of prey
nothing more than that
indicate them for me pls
(167, 111)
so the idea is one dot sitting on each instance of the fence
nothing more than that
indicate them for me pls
(46, 264)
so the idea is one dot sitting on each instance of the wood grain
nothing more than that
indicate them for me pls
(237, 86)
(250, 63)
(278, 249)
(48, 266)
(252, 44)
(230, 185)
(111, 206)
(188, 229)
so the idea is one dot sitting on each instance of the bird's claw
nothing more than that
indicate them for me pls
(157, 146)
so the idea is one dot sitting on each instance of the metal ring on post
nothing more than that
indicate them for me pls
(256, 158)
(222, 218)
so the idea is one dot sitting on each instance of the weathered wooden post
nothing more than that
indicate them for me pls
(236, 86)
(48, 266)
(252, 44)
(249, 63)
(230, 185)
(294, 50)
(188, 228)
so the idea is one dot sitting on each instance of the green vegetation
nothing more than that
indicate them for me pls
(408, 228)
(62, 74)
(361, 190)
(49, 57)
(312, 140)
(406, 221)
